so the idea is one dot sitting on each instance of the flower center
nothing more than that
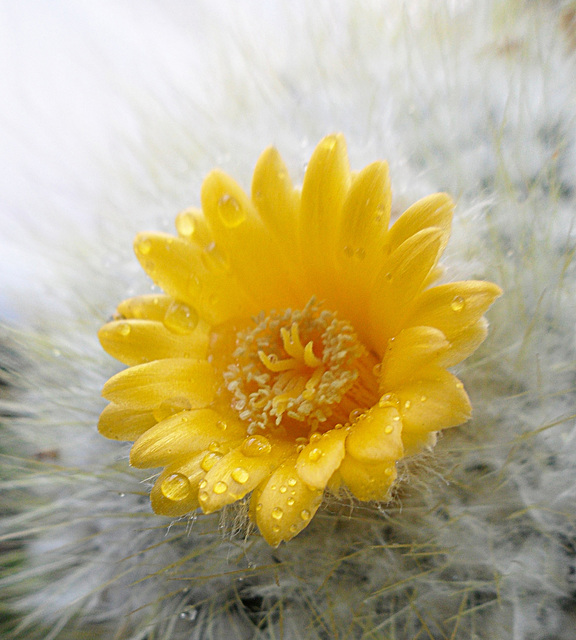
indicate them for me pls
(300, 371)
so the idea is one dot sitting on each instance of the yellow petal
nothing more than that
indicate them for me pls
(183, 434)
(324, 191)
(252, 251)
(376, 436)
(191, 225)
(138, 341)
(175, 492)
(200, 277)
(435, 401)
(146, 386)
(120, 423)
(464, 343)
(454, 306)
(408, 352)
(236, 474)
(274, 196)
(152, 306)
(365, 217)
(321, 457)
(284, 504)
(435, 210)
(368, 481)
(399, 281)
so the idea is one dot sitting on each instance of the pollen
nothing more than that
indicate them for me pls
(292, 371)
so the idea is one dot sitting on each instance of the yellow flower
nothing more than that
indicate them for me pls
(299, 345)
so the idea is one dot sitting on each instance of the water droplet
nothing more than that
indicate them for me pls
(459, 385)
(203, 496)
(458, 303)
(360, 253)
(231, 213)
(255, 446)
(180, 318)
(203, 484)
(293, 528)
(355, 414)
(283, 489)
(315, 454)
(389, 429)
(220, 487)
(209, 460)
(190, 614)
(277, 513)
(315, 437)
(144, 247)
(348, 251)
(305, 514)
(186, 224)
(407, 404)
(175, 487)
(276, 528)
(423, 398)
(259, 507)
(214, 447)
(291, 482)
(388, 471)
(222, 425)
(240, 475)
(124, 329)
(388, 277)
(388, 399)
(290, 502)
(377, 370)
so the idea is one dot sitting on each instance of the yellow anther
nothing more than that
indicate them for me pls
(292, 344)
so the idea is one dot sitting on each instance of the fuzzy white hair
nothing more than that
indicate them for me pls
(111, 115)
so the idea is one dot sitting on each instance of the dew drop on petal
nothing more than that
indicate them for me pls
(355, 414)
(458, 303)
(315, 454)
(305, 514)
(203, 496)
(276, 528)
(175, 487)
(389, 429)
(277, 513)
(377, 370)
(423, 398)
(220, 487)
(459, 385)
(283, 489)
(185, 224)
(315, 437)
(181, 318)
(292, 482)
(407, 404)
(230, 211)
(259, 507)
(124, 329)
(388, 471)
(144, 247)
(293, 528)
(290, 502)
(254, 446)
(203, 484)
(240, 475)
(209, 460)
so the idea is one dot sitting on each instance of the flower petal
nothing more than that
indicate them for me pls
(146, 386)
(274, 196)
(325, 187)
(408, 352)
(454, 306)
(182, 434)
(435, 210)
(399, 281)
(465, 343)
(120, 423)
(236, 474)
(321, 457)
(368, 481)
(189, 273)
(435, 401)
(376, 436)
(284, 504)
(175, 492)
(250, 248)
(152, 306)
(138, 341)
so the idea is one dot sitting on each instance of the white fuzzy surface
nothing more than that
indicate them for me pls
(111, 114)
